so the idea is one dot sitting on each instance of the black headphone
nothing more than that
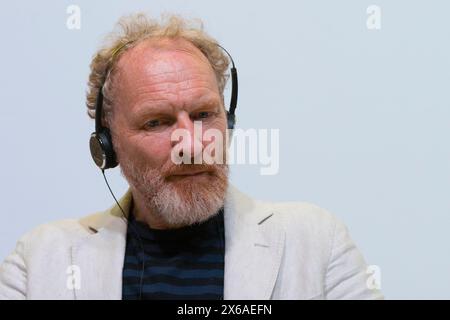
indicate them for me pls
(100, 143)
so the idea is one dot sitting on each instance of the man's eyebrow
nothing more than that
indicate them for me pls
(211, 102)
(148, 108)
(162, 107)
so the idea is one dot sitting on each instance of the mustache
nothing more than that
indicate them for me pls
(177, 169)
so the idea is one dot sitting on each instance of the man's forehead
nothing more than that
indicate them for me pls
(165, 71)
(149, 50)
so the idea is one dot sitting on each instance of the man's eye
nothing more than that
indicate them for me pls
(203, 114)
(152, 123)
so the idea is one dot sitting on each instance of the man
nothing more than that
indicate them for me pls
(181, 231)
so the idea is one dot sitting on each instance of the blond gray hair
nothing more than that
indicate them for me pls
(131, 30)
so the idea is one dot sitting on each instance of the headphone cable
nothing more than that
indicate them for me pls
(125, 219)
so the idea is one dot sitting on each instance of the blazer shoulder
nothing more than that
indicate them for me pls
(59, 230)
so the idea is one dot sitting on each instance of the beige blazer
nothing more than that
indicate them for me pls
(288, 250)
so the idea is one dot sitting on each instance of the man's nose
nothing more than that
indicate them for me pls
(191, 143)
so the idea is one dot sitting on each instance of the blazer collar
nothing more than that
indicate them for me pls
(254, 243)
(100, 254)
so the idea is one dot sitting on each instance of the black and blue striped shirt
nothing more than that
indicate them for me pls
(184, 263)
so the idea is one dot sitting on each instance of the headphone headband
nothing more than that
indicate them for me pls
(99, 110)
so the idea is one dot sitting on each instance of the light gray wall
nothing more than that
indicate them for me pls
(363, 116)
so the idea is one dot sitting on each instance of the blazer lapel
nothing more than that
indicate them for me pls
(100, 255)
(254, 246)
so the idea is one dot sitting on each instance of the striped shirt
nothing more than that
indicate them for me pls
(184, 263)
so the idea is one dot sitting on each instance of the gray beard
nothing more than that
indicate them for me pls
(182, 202)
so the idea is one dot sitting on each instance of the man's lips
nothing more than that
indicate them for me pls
(190, 173)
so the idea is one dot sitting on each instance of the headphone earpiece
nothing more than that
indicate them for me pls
(102, 150)
(231, 120)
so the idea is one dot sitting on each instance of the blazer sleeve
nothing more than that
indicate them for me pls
(13, 274)
(347, 275)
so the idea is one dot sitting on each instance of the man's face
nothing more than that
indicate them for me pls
(162, 87)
